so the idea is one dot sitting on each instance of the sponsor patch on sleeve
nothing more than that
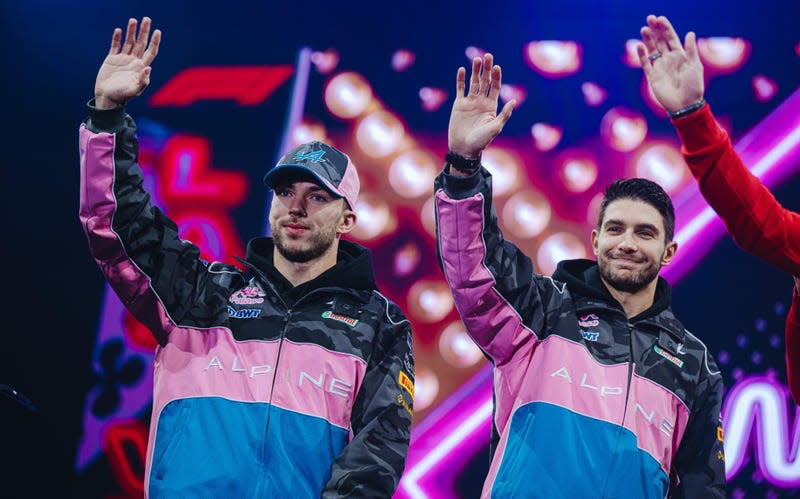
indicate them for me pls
(406, 383)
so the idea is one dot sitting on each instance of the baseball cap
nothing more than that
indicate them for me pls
(330, 166)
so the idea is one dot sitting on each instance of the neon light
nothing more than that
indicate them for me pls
(247, 85)
(757, 408)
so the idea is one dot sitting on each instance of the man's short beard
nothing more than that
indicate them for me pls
(631, 283)
(318, 244)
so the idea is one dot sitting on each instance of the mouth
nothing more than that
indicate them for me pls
(295, 228)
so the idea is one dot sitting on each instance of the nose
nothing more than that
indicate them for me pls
(297, 206)
(627, 244)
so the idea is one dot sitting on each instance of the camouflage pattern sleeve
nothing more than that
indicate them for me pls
(700, 461)
(372, 463)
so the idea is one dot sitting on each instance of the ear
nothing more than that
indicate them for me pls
(669, 253)
(595, 235)
(347, 221)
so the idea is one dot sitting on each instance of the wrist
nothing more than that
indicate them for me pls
(688, 109)
(102, 102)
(463, 164)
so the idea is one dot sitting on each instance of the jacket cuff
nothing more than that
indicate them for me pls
(105, 120)
(458, 187)
(699, 130)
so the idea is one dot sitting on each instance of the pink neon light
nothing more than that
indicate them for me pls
(756, 414)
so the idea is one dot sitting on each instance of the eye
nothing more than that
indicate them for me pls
(282, 192)
(320, 198)
(614, 229)
(647, 234)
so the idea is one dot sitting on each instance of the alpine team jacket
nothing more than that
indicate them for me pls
(754, 218)
(260, 390)
(588, 402)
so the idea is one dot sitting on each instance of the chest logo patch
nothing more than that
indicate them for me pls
(341, 318)
(589, 320)
(590, 335)
(678, 362)
(405, 381)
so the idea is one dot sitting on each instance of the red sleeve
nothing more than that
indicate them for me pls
(793, 346)
(755, 219)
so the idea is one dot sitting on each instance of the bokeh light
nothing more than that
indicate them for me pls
(411, 173)
(379, 134)
(664, 165)
(430, 300)
(526, 214)
(557, 247)
(347, 95)
(457, 348)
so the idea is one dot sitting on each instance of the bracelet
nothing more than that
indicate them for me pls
(463, 164)
(688, 109)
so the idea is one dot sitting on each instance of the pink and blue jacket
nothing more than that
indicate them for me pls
(588, 402)
(261, 389)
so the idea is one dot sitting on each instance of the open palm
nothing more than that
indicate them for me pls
(474, 121)
(674, 72)
(126, 69)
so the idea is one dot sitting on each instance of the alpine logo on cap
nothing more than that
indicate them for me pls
(314, 156)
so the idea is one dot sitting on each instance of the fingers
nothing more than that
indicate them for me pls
(152, 49)
(474, 81)
(461, 79)
(116, 38)
(641, 51)
(648, 40)
(486, 74)
(497, 79)
(144, 79)
(691, 47)
(130, 36)
(141, 39)
(669, 34)
(505, 114)
(658, 34)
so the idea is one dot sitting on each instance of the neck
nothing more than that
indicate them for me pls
(637, 302)
(298, 273)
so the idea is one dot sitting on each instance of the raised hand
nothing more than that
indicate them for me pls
(674, 72)
(474, 121)
(126, 69)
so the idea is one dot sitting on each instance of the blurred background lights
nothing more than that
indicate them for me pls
(545, 137)
(473, 52)
(457, 348)
(308, 132)
(428, 216)
(664, 165)
(379, 134)
(513, 92)
(347, 95)
(723, 54)
(623, 129)
(402, 59)
(406, 259)
(553, 58)
(578, 174)
(593, 94)
(429, 300)
(504, 167)
(559, 246)
(631, 58)
(426, 387)
(432, 98)
(326, 61)
(411, 174)
(526, 214)
(764, 88)
(374, 217)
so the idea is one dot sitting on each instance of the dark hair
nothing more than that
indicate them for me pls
(644, 190)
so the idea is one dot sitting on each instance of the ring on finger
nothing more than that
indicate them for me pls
(655, 55)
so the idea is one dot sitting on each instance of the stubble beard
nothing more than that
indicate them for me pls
(632, 282)
(316, 246)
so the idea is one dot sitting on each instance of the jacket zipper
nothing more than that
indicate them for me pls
(625, 407)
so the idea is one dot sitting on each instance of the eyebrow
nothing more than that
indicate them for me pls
(637, 226)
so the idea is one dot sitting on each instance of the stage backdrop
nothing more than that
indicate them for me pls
(235, 85)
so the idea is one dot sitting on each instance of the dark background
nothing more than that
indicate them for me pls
(51, 52)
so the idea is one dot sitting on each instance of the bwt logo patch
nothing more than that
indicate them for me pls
(245, 313)
(315, 156)
(589, 335)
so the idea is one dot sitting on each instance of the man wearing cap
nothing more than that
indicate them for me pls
(297, 381)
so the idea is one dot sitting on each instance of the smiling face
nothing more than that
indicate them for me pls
(631, 245)
(306, 220)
